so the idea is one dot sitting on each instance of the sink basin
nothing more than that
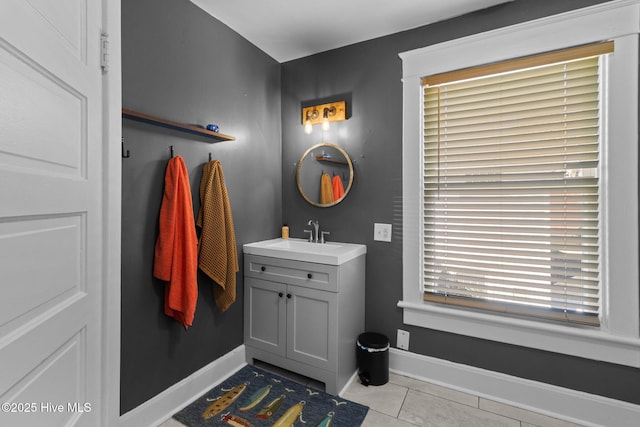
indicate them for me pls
(333, 253)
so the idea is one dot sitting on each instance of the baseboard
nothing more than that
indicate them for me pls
(164, 405)
(570, 405)
(352, 379)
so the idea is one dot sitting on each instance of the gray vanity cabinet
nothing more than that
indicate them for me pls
(304, 317)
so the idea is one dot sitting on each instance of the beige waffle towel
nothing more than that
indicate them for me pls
(218, 258)
(326, 191)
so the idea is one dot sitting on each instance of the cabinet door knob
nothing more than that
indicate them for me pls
(289, 296)
(263, 268)
(309, 275)
(280, 294)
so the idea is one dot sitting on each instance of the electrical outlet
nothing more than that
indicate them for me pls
(403, 340)
(382, 232)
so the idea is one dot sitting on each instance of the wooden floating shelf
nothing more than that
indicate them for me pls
(157, 121)
(331, 160)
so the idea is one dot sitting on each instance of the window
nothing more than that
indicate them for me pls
(596, 313)
(511, 167)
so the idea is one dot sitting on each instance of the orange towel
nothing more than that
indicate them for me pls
(338, 189)
(176, 252)
(218, 256)
(326, 192)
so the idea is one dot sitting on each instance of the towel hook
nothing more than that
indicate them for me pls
(128, 153)
(209, 156)
(171, 147)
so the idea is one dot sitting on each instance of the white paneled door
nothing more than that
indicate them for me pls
(50, 212)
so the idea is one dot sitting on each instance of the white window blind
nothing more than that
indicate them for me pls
(511, 188)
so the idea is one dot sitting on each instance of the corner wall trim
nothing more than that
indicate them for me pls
(161, 407)
(558, 402)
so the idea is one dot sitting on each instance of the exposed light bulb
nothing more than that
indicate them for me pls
(325, 124)
(307, 127)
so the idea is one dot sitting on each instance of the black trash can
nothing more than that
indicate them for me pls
(372, 356)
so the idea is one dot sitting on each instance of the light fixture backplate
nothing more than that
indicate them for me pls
(340, 114)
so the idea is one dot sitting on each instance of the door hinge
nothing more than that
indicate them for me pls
(104, 52)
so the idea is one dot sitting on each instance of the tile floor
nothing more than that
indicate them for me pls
(406, 402)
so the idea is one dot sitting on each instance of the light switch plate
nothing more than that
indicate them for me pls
(382, 232)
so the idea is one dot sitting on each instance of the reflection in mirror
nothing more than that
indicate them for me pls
(324, 175)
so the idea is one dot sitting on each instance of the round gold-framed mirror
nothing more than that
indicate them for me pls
(324, 175)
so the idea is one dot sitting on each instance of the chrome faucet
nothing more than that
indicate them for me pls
(314, 234)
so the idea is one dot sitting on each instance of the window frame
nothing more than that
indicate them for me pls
(617, 340)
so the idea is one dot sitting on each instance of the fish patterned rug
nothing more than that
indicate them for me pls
(255, 397)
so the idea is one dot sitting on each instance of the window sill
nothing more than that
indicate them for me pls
(575, 341)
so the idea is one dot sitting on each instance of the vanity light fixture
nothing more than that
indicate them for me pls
(311, 114)
(324, 113)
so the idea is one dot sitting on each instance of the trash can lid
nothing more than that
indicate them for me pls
(373, 340)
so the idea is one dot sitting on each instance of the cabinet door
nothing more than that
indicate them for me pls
(265, 315)
(312, 326)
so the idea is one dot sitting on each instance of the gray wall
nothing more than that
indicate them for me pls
(368, 76)
(183, 65)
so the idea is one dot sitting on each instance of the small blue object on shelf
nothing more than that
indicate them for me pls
(212, 127)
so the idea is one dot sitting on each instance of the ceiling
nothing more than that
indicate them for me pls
(289, 29)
